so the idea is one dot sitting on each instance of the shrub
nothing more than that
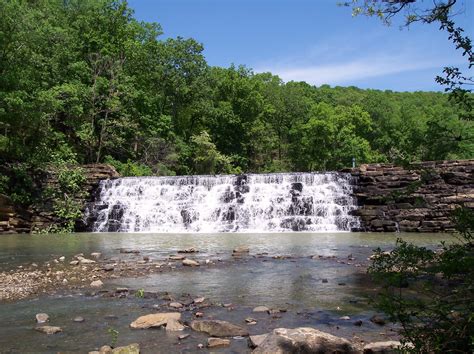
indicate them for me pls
(431, 293)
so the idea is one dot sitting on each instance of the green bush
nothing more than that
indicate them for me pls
(18, 184)
(431, 293)
(66, 197)
(129, 168)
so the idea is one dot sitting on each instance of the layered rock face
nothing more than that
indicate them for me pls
(419, 198)
(43, 216)
(14, 219)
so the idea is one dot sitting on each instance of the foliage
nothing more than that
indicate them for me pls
(443, 13)
(129, 168)
(85, 82)
(66, 197)
(206, 158)
(16, 182)
(140, 293)
(431, 292)
(114, 334)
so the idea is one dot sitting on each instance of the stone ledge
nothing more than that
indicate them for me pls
(419, 198)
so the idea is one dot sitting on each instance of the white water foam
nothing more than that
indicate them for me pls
(279, 202)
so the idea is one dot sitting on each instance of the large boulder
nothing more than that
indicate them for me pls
(303, 340)
(155, 320)
(218, 328)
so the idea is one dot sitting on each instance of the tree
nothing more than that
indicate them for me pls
(206, 158)
(430, 293)
(443, 13)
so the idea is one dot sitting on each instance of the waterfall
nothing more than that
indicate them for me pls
(276, 202)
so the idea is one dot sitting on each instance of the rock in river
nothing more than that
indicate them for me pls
(96, 255)
(303, 340)
(42, 317)
(176, 305)
(199, 300)
(155, 320)
(255, 341)
(174, 325)
(377, 319)
(240, 250)
(48, 329)
(97, 283)
(217, 342)
(129, 349)
(190, 263)
(176, 257)
(86, 261)
(108, 267)
(188, 250)
(218, 328)
(261, 309)
(390, 346)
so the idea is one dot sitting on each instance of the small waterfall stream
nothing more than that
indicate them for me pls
(244, 203)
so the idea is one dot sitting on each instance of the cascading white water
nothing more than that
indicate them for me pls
(244, 203)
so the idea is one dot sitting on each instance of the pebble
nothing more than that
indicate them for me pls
(176, 257)
(183, 336)
(48, 329)
(175, 305)
(241, 249)
(217, 342)
(42, 317)
(345, 318)
(86, 261)
(190, 263)
(96, 255)
(251, 321)
(188, 250)
(261, 309)
(378, 320)
(174, 325)
(97, 283)
(108, 267)
(199, 300)
(62, 258)
(78, 319)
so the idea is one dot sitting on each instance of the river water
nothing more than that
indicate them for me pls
(316, 292)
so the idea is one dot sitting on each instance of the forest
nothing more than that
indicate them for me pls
(83, 81)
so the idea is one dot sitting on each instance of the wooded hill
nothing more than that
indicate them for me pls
(83, 81)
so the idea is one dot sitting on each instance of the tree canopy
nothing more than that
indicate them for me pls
(83, 81)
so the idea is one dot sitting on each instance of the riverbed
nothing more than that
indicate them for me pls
(315, 280)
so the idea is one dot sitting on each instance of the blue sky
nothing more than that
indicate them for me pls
(311, 40)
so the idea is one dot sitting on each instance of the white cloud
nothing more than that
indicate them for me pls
(350, 71)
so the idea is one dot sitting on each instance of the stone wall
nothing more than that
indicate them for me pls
(14, 219)
(419, 198)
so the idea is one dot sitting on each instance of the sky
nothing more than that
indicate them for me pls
(315, 41)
